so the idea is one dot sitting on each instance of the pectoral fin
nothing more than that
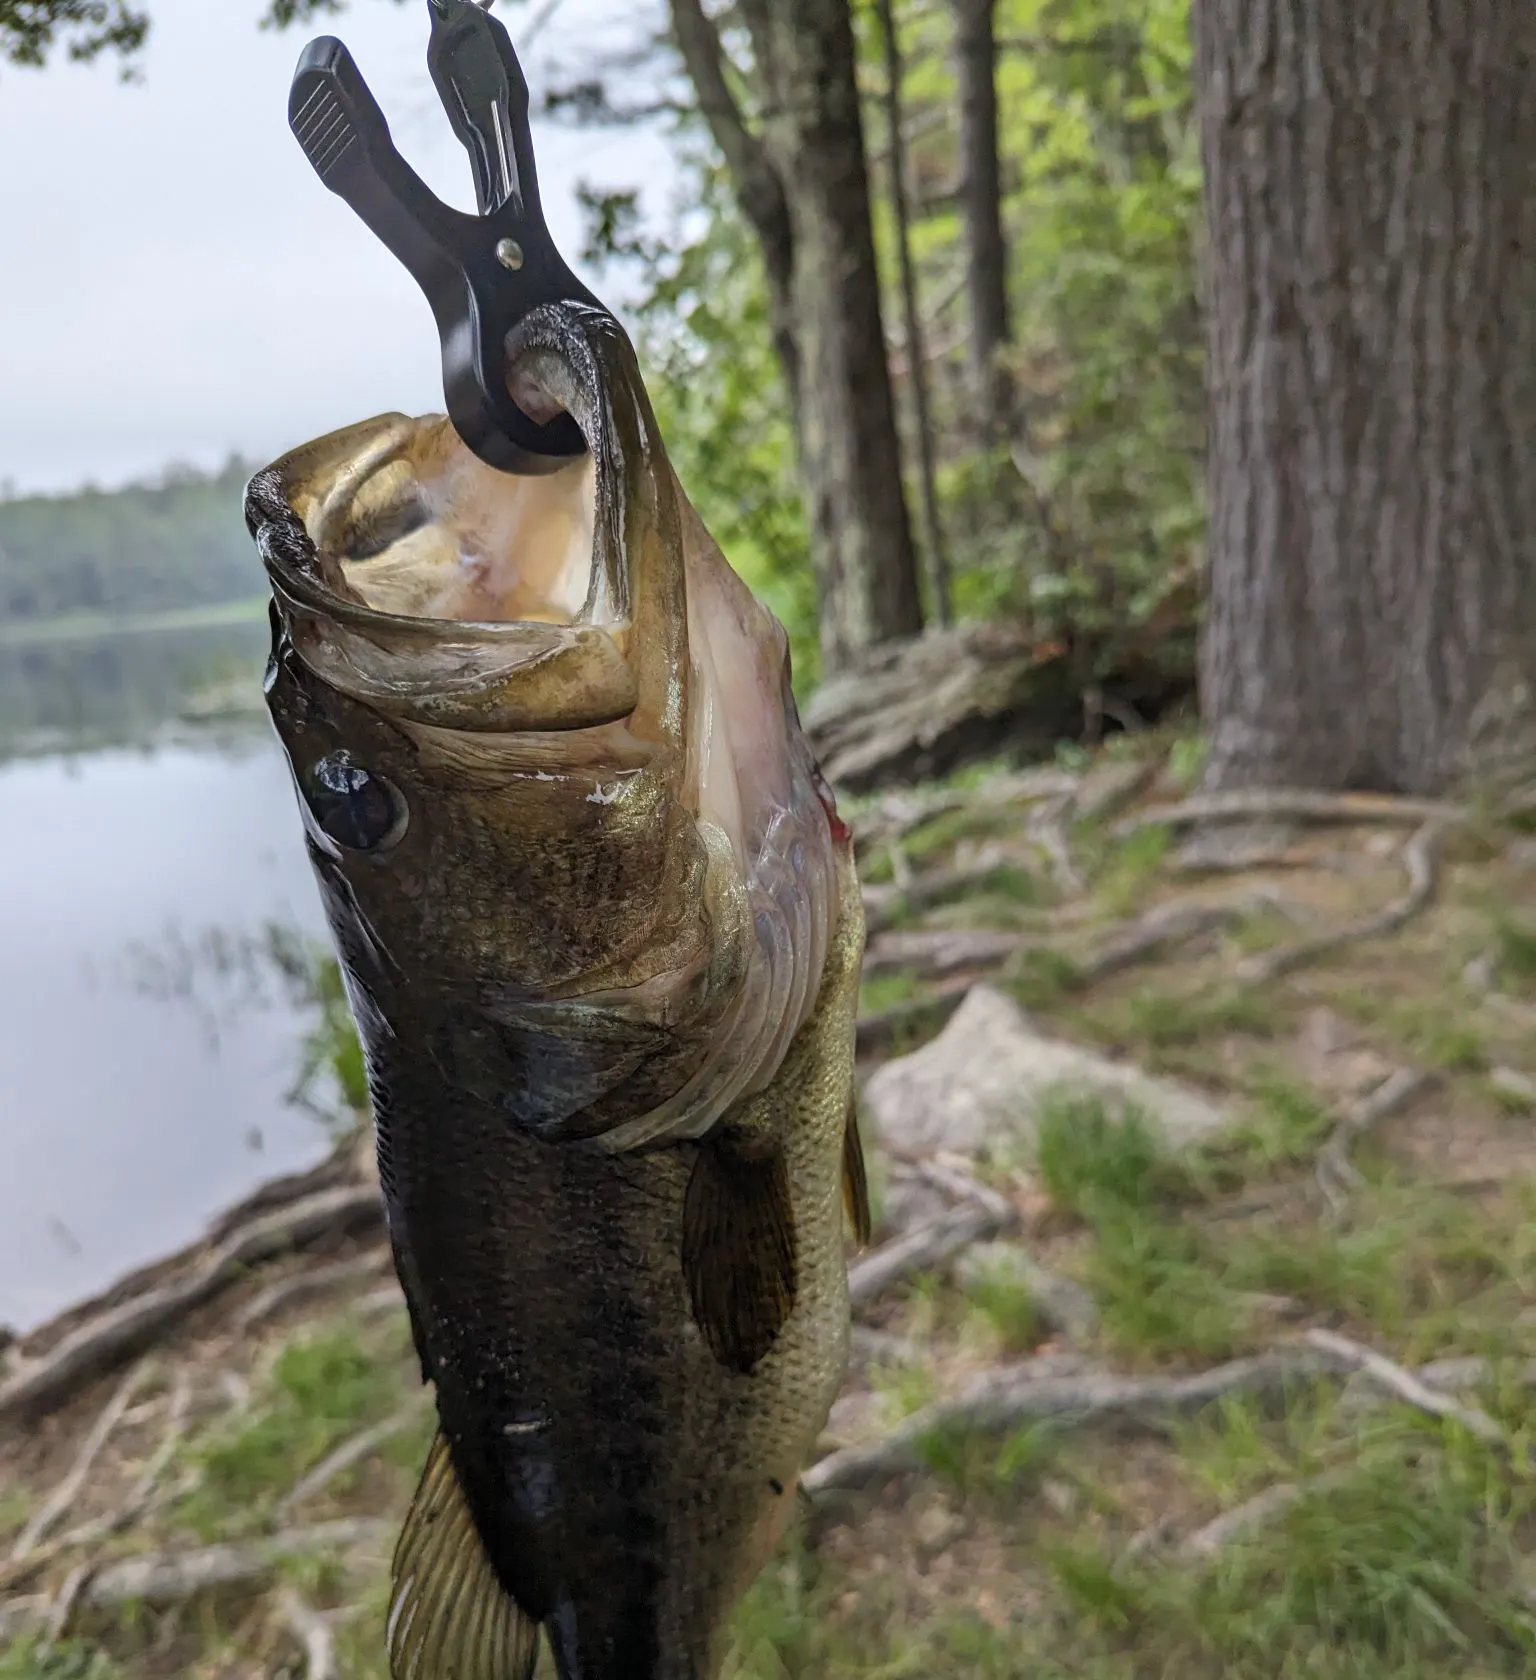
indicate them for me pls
(739, 1251)
(450, 1618)
(856, 1180)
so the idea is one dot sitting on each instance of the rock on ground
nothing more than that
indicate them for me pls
(978, 1087)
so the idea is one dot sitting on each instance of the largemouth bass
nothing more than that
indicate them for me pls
(601, 934)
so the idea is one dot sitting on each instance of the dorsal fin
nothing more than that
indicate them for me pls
(450, 1618)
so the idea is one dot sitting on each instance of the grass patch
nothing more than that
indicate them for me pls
(320, 1389)
(1402, 1565)
(1285, 1125)
(73, 1659)
(1128, 868)
(1039, 978)
(1164, 1020)
(887, 991)
(1515, 947)
(1003, 1300)
(940, 834)
(1088, 1157)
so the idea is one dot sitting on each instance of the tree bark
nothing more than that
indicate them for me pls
(981, 200)
(912, 326)
(1371, 207)
(803, 184)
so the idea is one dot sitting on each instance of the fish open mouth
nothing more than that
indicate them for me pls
(429, 585)
(496, 617)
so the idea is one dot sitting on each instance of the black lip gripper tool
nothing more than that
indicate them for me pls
(481, 274)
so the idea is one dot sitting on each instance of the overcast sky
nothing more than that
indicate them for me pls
(175, 283)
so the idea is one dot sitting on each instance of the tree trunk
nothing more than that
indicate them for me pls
(912, 326)
(982, 207)
(803, 185)
(1371, 207)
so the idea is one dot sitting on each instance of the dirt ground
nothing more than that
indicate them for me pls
(1287, 1435)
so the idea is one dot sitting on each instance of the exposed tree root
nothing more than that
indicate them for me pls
(921, 1250)
(1147, 935)
(881, 1031)
(1405, 1385)
(1245, 1519)
(168, 1577)
(313, 1631)
(1419, 860)
(97, 1344)
(306, 1285)
(1299, 805)
(164, 1578)
(1037, 1390)
(353, 1451)
(878, 1347)
(898, 813)
(1047, 827)
(933, 953)
(1336, 1173)
(58, 1504)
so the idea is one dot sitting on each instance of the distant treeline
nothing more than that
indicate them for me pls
(179, 541)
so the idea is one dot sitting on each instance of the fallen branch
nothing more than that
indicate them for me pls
(1003, 1400)
(305, 1285)
(57, 1506)
(920, 1250)
(1298, 804)
(1405, 1385)
(313, 1631)
(352, 1451)
(1419, 859)
(1337, 1175)
(98, 1344)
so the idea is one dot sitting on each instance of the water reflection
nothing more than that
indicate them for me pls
(71, 694)
(152, 1042)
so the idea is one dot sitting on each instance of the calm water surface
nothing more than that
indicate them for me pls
(146, 1056)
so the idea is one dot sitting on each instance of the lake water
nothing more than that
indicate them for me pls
(146, 1052)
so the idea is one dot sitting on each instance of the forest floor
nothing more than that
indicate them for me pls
(1258, 1406)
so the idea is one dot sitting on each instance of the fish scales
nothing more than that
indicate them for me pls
(599, 926)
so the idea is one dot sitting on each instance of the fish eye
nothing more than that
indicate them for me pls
(357, 809)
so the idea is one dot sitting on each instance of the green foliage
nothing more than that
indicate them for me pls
(1100, 161)
(31, 29)
(1099, 126)
(702, 332)
(177, 543)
